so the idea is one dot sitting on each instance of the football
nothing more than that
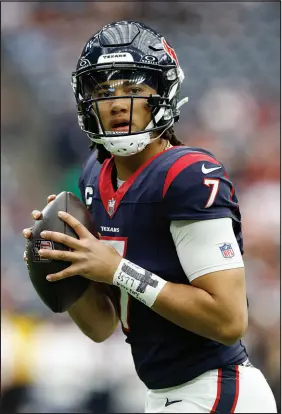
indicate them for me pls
(59, 295)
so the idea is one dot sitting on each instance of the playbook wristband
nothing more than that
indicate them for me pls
(138, 282)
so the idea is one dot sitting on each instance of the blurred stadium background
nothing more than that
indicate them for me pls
(230, 54)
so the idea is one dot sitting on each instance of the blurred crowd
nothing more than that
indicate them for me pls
(229, 53)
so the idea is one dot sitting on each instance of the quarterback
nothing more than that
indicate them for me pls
(168, 265)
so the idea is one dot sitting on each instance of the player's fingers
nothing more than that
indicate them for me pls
(36, 214)
(65, 256)
(27, 232)
(80, 230)
(60, 238)
(68, 272)
(51, 198)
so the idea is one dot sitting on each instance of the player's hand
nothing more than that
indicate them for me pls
(89, 256)
(36, 215)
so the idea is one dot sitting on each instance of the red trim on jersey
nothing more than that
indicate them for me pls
(127, 311)
(183, 162)
(219, 378)
(232, 189)
(237, 390)
(125, 239)
(232, 193)
(127, 315)
(105, 185)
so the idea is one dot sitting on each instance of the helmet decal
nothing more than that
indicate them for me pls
(84, 62)
(116, 57)
(170, 51)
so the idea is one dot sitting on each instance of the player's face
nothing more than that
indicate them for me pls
(115, 113)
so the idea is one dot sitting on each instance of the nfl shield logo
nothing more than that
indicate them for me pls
(111, 206)
(40, 245)
(227, 251)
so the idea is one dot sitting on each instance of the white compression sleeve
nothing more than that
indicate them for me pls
(206, 246)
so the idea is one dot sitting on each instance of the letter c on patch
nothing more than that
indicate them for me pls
(89, 191)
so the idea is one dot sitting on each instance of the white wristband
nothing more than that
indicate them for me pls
(138, 282)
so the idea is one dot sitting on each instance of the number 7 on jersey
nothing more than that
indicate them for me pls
(120, 244)
(214, 184)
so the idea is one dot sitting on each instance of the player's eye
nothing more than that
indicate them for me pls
(134, 90)
(103, 93)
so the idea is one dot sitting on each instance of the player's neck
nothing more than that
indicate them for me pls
(126, 166)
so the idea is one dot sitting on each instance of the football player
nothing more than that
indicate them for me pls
(170, 248)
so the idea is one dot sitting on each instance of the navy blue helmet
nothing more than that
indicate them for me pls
(127, 51)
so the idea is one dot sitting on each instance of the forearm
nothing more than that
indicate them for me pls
(94, 313)
(195, 310)
(208, 312)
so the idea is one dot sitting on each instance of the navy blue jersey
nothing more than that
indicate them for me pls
(181, 183)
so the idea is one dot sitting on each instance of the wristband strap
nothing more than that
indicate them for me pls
(138, 282)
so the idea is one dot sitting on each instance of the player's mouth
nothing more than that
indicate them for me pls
(120, 126)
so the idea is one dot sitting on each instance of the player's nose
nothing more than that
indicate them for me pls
(120, 105)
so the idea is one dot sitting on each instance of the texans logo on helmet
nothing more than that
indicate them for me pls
(170, 51)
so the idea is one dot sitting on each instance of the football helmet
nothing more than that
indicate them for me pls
(127, 53)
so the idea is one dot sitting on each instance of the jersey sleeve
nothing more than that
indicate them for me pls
(87, 173)
(81, 188)
(197, 187)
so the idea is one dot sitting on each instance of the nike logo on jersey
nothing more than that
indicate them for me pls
(209, 170)
(171, 402)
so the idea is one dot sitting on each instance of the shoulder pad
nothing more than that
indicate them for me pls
(197, 187)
